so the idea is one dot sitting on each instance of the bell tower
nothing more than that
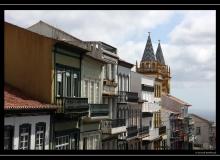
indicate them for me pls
(154, 65)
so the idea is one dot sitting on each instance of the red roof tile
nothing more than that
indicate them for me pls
(15, 100)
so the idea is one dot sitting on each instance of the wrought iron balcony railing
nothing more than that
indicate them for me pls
(97, 110)
(143, 130)
(132, 131)
(162, 130)
(72, 105)
(124, 96)
(113, 123)
(109, 125)
(110, 83)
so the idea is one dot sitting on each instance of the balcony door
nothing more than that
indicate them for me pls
(67, 81)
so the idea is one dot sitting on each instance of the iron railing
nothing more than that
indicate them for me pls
(72, 105)
(132, 131)
(162, 130)
(98, 110)
(124, 96)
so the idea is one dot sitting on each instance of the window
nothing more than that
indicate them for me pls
(76, 83)
(157, 119)
(40, 136)
(68, 84)
(62, 142)
(85, 143)
(73, 144)
(104, 71)
(86, 88)
(112, 71)
(90, 142)
(125, 83)
(59, 84)
(24, 138)
(92, 92)
(128, 84)
(150, 124)
(68, 81)
(198, 131)
(8, 137)
(121, 83)
(108, 71)
(97, 92)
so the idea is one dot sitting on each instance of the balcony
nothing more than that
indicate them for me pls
(162, 130)
(113, 126)
(151, 107)
(143, 131)
(109, 90)
(72, 105)
(132, 131)
(99, 110)
(147, 114)
(127, 96)
(109, 83)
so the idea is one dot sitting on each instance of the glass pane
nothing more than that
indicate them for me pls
(86, 89)
(97, 92)
(68, 84)
(92, 92)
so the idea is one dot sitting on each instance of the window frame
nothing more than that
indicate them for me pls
(75, 83)
(40, 124)
(198, 130)
(10, 128)
(27, 126)
(62, 146)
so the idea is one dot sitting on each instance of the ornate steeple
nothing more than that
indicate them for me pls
(148, 52)
(159, 55)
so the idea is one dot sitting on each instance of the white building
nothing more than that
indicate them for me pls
(26, 123)
(145, 86)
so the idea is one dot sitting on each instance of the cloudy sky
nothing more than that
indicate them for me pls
(187, 40)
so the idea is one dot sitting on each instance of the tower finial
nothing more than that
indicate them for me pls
(159, 41)
(149, 33)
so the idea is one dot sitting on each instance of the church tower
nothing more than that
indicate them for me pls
(154, 66)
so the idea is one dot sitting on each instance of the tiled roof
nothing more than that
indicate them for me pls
(16, 100)
(123, 62)
(148, 54)
(159, 55)
(194, 115)
(172, 103)
(179, 101)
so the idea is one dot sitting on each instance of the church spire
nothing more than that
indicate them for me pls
(159, 54)
(148, 51)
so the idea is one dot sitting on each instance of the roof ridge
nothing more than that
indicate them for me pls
(56, 29)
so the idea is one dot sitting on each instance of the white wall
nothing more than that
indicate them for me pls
(136, 82)
(17, 121)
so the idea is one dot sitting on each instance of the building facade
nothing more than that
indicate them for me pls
(27, 121)
(100, 103)
(180, 130)
(203, 133)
